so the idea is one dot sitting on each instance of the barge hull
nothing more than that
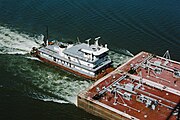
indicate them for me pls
(98, 110)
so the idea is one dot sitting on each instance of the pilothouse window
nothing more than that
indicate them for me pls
(54, 59)
(94, 49)
(86, 53)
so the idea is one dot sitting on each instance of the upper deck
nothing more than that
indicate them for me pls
(86, 52)
(145, 87)
(92, 53)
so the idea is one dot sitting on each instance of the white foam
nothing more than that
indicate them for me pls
(33, 58)
(129, 53)
(59, 85)
(71, 88)
(55, 100)
(118, 58)
(13, 42)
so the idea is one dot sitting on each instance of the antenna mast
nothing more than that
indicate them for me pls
(78, 40)
(47, 34)
(96, 41)
(167, 55)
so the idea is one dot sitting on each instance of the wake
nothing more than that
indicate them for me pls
(13, 42)
(58, 84)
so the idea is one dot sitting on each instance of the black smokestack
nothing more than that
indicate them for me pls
(45, 39)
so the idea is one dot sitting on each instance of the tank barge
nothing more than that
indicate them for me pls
(145, 87)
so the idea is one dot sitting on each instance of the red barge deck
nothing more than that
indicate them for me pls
(145, 87)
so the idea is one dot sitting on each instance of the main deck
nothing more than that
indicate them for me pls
(145, 87)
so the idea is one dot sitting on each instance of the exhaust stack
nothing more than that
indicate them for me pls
(45, 39)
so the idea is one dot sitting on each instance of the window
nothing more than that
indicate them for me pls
(54, 59)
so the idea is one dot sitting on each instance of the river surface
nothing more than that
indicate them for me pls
(32, 90)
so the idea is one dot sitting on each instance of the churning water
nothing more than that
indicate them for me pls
(30, 89)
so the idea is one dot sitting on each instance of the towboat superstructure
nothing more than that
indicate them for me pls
(85, 59)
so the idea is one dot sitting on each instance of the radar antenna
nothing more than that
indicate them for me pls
(88, 40)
